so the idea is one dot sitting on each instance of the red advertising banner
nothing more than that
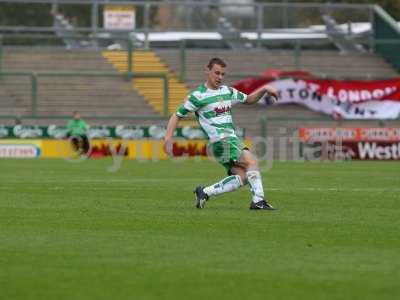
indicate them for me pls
(367, 150)
(352, 143)
(318, 134)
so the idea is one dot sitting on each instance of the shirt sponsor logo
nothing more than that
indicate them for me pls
(222, 110)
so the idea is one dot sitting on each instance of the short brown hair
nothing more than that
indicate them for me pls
(216, 61)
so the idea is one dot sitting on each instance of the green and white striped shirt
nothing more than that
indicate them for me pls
(213, 110)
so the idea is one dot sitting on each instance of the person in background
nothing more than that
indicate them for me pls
(77, 132)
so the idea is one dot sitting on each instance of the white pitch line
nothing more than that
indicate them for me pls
(267, 188)
(319, 189)
(104, 181)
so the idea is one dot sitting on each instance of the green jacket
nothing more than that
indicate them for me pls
(77, 127)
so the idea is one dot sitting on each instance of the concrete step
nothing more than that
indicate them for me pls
(65, 93)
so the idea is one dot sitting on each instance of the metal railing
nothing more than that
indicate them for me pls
(202, 16)
(1, 51)
(158, 16)
(33, 76)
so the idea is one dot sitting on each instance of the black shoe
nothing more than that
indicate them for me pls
(201, 197)
(261, 205)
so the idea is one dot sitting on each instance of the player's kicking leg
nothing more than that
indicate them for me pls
(226, 152)
(228, 184)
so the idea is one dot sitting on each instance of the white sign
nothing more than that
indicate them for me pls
(119, 17)
(19, 151)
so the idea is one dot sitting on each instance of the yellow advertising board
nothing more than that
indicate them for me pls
(145, 149)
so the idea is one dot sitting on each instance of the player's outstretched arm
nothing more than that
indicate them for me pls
(256, 96)
(169, 135)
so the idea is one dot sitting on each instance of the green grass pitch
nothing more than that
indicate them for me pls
(78, 231)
